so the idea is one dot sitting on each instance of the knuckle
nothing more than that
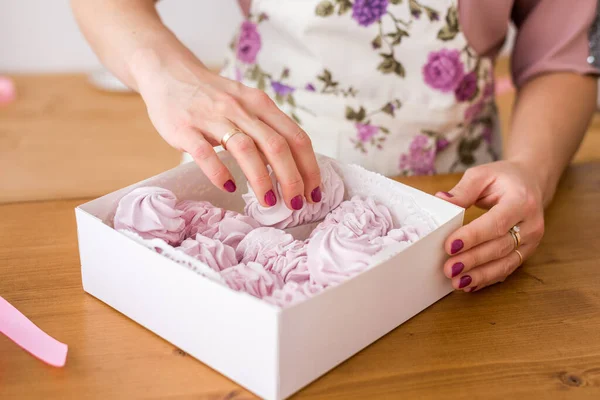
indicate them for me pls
(539, 228)
(313, 177)
(201, 152)
(260, 99)
(244, 144)
(277, 145)
(301, 140)
(238, 88)
(472, 258)
(262, 181)
(225, 104)
(531, 203)
(294, 184)
(501, 225)
(216, 173)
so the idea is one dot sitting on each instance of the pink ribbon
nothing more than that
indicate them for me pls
(26, 334)
(8, 92)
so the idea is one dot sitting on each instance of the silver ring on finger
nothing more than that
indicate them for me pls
(229, 135)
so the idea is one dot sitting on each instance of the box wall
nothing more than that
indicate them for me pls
(319, 334)
(231, 332)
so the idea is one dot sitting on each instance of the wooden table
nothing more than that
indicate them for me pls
(535, 336)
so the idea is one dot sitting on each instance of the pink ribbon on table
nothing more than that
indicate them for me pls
(26, 334)
(8, 92)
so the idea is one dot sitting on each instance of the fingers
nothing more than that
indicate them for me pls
(244, 150)
(278, 154)
(469, 189)
(260, 104)
(205, 157)
(491, 272)
(479, 255)
(491, 225)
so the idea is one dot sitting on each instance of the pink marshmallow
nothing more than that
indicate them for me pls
(280, 216)
(211, 252)
(253, 279)
(150, 212)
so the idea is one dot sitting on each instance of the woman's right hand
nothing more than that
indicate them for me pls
(193, 108)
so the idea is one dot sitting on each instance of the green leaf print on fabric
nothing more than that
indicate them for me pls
(344, 6)
(324, 8)
(368, 12)
(367, 133)
(389, 65)
(330, 86)
(450, 30)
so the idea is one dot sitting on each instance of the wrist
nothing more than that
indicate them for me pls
(159, 57)
(545, 177)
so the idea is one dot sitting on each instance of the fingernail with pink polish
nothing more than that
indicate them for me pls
(229, 186)
(457, 268)
(474, 288)
(464, 281)
(297, 202)
(270, 198)
(447, 194)
(316, 194)
(456, 246)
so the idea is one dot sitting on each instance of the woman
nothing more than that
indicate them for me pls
(399, 86)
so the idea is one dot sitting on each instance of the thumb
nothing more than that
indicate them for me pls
(468, 189)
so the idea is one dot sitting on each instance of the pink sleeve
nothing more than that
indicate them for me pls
(552, 36)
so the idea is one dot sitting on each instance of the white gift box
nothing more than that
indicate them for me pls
(271, 351)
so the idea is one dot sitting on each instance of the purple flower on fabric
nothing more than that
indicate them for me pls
(444, 70)
(473, 111)
(310, 87)
(249, 43)
(365, 131)
(441, 144)
(420, 158)
(365, 12)
(281, 89)
(487, 135)
(467, 88)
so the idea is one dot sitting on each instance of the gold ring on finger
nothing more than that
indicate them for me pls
(515, 231)
(520, 257)
(228, 136)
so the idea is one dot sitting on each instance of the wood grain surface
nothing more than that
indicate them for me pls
(535, 336)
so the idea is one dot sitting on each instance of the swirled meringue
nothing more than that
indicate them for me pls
(150, 212)
(277, 251)
(227, 226)
(253, 279)
(363, 216)
(280, 216)
(211, 252)
(338, 252)
(293, 293)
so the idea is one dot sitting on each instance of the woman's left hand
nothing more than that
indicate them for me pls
(483, 251)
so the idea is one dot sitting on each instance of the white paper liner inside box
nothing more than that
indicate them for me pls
(271, 351)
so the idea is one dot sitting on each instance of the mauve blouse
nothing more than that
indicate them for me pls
(552, 35)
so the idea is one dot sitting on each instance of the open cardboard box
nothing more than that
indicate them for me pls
(273, 352)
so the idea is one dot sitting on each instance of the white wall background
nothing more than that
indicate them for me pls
(42, 35)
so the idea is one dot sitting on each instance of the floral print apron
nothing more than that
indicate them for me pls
(391, 85)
